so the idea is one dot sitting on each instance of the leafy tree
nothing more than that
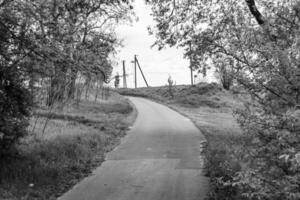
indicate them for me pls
(224, 71)
(14, 97)
(170, 85)
(46, 45)
(64, 29)
(261, 41)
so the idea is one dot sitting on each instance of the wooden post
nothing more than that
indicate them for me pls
(124, 75)
(192, 81)
(135, 80)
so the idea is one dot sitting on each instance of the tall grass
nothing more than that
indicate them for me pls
(44, 164)
(74, 143)
(224, 158)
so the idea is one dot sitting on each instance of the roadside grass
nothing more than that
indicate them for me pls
(226, 146)
(74, 142)
(211, 109)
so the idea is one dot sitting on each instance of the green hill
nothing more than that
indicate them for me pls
(201, 95)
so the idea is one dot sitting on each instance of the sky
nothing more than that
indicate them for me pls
(156, 65)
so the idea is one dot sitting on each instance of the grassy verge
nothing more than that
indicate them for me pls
(225, 147)
(211, 109)
(75, 141)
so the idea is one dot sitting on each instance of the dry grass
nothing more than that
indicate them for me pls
(74, 142)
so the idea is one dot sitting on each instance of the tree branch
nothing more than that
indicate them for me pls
(255, 12)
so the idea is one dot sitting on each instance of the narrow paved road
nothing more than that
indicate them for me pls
(159, 159)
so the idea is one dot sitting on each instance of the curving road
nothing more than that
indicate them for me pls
(159, 159)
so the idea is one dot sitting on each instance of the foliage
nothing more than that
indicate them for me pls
(14, 109)
(274, 150)
(46, 46)
(75, 37)
(261, 42)
(224, 72)
(14, 97)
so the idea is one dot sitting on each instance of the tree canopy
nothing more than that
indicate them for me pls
(257, 42)
(49, 44)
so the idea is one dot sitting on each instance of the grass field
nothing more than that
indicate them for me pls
(73, 143)
(211, 109)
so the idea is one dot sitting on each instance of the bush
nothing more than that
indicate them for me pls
(15, 105)
(223, 161)
(274, 170)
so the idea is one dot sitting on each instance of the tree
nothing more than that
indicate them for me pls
(64, 30)
(170, 86)
(262, 41)
(15, 100)
(224, 71)
(48, 44)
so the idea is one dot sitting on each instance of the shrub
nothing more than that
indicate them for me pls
(223, 157)
(14, 109)
(274, 170)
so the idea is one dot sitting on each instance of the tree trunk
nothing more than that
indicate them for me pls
(87, 85)
(57, 86)
(72, 87)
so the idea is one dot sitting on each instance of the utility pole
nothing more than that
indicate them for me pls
(135, 80)
(192, 81)
(191, 67)
(124, 75)
(138, 64)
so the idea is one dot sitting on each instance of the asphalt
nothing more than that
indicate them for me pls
(159, 159)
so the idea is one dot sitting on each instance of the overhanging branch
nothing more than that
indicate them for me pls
(255, 12)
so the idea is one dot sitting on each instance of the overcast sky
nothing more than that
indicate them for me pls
(156, 65)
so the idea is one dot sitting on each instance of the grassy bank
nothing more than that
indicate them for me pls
(211, 109)
(201, 95)
(225, 147)
(52, 159)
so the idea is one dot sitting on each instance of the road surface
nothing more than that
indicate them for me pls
(159, 159)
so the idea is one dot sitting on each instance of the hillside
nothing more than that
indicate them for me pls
(200, 95)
